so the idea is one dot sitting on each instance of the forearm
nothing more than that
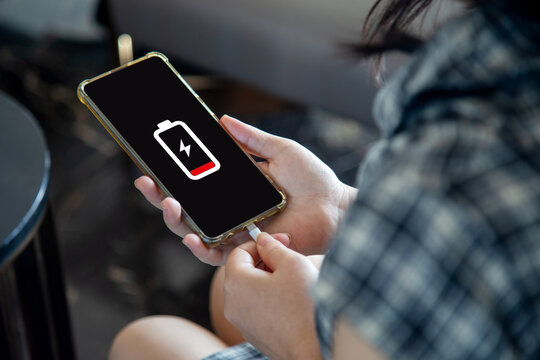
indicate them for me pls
(306, 347)
(312, 354)
(348, 344)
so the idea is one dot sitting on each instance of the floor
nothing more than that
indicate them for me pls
(119, 259)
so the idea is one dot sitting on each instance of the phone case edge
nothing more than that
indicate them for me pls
(118, 138)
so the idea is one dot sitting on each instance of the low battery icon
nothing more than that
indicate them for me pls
(186, 149)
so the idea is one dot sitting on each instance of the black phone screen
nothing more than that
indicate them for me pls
(185, 147)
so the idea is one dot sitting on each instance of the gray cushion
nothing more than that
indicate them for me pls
(287, 48)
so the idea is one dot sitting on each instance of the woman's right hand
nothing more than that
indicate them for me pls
(316, 199)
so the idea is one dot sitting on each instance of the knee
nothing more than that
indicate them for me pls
(134, 341)
(164, 337)
(216, 294)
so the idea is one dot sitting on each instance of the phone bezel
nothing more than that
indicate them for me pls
(210, 241)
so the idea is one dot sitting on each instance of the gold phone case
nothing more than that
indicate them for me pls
(210, 241)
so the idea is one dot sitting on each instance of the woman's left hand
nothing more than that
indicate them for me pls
(272, 308)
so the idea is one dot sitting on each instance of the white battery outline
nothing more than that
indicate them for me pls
(166, 125)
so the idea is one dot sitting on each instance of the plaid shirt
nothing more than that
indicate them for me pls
(439, 257)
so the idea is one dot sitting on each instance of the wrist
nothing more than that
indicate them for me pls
(306, 346)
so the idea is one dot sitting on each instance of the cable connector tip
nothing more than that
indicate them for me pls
(254, 231)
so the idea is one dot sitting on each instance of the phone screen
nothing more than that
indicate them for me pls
(184, 146)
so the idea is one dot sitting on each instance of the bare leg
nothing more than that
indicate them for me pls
(164, 337)
(222, 327)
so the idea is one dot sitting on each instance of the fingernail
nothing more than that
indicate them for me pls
(135, 183)
(264, 239)
(287, 243)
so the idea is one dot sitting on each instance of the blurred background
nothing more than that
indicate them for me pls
(279, 65)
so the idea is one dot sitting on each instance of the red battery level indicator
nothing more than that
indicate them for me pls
(186, 149)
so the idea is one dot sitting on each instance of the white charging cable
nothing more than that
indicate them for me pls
(254, 231)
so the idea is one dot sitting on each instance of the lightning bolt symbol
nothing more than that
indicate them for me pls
(184, 148)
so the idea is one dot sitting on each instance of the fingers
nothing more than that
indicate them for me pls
(218, 255)
(249, 257)
(282, 238)
(210, 256)
(264, 166)
(172, 216)
(171, 208)
(272, 252)
(150, 191)
(256, 141)
(245, 256)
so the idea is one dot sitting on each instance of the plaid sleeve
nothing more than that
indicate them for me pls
(408, 273)
(244, 351)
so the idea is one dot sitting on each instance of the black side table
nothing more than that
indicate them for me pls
(34, 320)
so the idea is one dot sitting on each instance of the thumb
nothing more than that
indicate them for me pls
(272, 252)
(255, 141)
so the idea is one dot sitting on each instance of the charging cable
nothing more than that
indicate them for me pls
(254, 231)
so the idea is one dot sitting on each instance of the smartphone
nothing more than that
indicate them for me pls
(174, 138)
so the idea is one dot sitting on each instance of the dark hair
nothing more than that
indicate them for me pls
(387, 28)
